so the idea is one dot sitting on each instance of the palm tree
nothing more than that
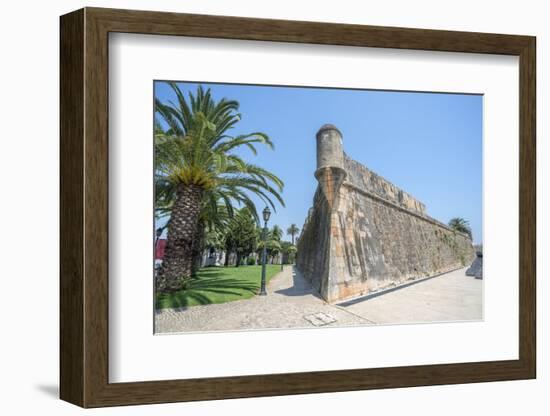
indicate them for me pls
(196, 169)
(276, 233)
(461, 225)
(292, 231)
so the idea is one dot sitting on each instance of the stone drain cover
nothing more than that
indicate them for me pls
(320, 319)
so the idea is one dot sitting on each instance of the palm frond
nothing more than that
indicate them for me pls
(195, 148)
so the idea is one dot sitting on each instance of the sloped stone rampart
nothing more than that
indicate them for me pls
(364, 234)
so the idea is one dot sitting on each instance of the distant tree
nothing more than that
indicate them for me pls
(460, 224)
(241, 237)
(293, 230)
(214, 239)
(289, 250)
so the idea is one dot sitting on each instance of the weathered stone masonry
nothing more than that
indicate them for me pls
(364, 234)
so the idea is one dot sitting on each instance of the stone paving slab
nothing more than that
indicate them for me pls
(320, 319)
(291, 303)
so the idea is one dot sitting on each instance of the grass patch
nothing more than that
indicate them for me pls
(218, 285)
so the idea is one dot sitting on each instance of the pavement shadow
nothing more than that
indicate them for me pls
(300, 286)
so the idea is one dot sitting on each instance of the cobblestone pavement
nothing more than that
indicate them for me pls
(291, 303)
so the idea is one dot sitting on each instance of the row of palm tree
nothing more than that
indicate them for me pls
(199, 177)
(276, 246)
(244, 237)
(241, 236)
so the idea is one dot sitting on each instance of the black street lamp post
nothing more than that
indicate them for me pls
(158, 234)
(266, 213)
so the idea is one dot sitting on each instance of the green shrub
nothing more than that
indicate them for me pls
(251, 261)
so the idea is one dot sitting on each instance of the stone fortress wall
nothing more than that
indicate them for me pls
(364, 234)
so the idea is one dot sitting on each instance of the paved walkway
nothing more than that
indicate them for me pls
(451, 296)
(291, 303)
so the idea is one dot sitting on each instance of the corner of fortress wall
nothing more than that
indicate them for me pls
(364, 234)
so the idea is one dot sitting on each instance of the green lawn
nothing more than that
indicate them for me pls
(218, 285)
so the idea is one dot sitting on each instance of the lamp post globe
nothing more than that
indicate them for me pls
(266, 213)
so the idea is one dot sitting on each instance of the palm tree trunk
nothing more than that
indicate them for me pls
(198, 248)
(177, 265)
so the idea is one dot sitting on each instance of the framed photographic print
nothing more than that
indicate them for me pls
(256, 207)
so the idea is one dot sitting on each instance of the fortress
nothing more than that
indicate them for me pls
(364, 234)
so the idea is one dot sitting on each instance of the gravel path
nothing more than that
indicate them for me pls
(291, 303)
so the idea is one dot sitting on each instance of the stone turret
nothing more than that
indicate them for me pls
(330, 171)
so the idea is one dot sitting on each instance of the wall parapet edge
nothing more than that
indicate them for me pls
(403, 209)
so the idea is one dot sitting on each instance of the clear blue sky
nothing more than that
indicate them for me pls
(430, 145)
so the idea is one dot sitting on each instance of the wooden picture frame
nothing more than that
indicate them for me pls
(84, 207)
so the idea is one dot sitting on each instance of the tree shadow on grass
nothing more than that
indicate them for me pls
(198, 290)
(211, 272)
